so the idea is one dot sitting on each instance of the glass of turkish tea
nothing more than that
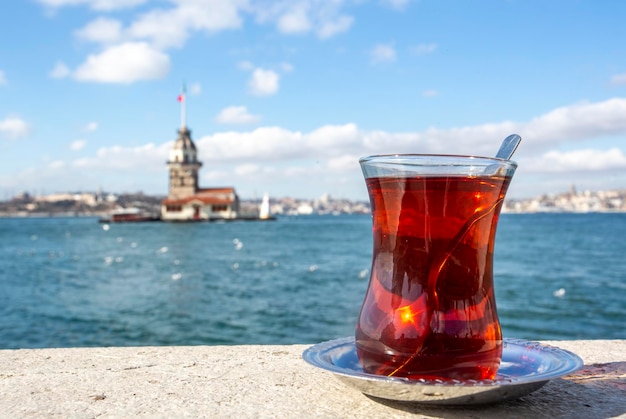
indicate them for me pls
(430, 309)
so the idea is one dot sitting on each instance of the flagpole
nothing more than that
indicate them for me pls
(183, 108)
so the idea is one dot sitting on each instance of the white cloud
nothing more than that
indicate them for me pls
(540, 134)
(59, 71)
(247, 169)
(333, 27)
(577, 122)
(101, 5)
(14, 127)
(322, 17)
(279, 144)
(295, 20)
(338, 138)
(108, 5)
(116, 158)
(263, 82)
(330, 153)
(163, 27)
(236, 115)
(115, 168)
(3, 79)
(56, 164)
(213, 176)
(172, 27)
(78, 145)
(167, 27)
(619, 79)
(91, 126)
(423, 49)
(584, 160)
(101, 30)
(383, 53)
(430, 93)
(326, 159)
(195, 89)
(397, 4)
(148, 35)
(125, 63)
(344, 163)
(265, 143)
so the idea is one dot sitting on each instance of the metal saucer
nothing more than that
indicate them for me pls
(525, 367)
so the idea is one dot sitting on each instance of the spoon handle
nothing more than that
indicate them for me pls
(508, 147)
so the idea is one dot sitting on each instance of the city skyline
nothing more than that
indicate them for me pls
(284, 97)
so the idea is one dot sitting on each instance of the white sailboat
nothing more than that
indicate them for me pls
(264, 211)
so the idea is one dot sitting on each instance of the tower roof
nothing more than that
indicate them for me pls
(184, 141)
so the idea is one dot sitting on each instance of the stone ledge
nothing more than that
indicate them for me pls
(264, 381)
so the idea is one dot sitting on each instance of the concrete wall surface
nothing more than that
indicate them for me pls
(265, 381)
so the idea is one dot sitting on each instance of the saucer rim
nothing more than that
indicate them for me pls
(313, 356)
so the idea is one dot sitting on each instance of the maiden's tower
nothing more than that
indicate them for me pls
(186, 201)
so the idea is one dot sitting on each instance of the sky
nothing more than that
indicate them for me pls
(284, 96)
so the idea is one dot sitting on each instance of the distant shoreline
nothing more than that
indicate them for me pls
(608, 211)
(99, 216)
(102, 204)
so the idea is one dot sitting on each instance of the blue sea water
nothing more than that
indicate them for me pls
(67, 282)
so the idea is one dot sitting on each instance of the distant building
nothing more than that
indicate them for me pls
(186, 201)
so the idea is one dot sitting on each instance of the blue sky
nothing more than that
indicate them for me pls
(284, 96)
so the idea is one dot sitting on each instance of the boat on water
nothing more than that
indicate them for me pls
(129, 215)
(135, 215)
(264, 211)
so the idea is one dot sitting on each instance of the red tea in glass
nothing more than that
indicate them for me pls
(430, 309)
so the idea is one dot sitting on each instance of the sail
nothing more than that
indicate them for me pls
(264, 211)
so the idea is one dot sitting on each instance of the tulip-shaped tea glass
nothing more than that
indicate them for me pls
(430, 309)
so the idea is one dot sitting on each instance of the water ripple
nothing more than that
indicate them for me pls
(69, 282)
